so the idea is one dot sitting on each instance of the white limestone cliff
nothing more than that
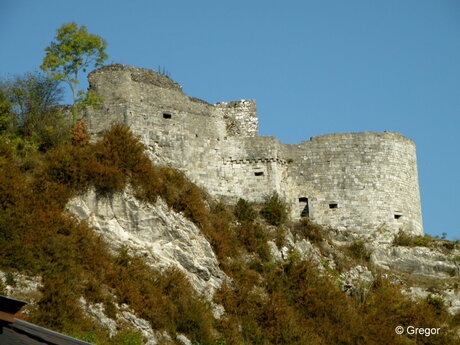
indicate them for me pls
(164, 237)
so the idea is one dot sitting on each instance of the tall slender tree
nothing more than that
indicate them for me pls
(73, 50)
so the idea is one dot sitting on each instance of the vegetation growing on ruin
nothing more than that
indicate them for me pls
(407, 240)
(266, 302)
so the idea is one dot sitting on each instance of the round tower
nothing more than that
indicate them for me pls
(367, 181)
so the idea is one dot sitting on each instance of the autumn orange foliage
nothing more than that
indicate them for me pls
(289, 302)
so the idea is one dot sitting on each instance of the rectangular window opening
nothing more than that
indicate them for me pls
(259, 173)
(166, 116)
(305, 211)
(333, 205)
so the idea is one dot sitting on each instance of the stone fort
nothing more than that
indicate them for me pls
(362, 182)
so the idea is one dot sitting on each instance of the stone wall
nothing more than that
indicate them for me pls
(365, 180)
(240, 116)
(356, 181)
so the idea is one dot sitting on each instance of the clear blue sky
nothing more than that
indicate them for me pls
(314, 67)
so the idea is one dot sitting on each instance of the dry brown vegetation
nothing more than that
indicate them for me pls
(266, 303)
(38, 236)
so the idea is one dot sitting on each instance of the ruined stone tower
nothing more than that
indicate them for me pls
(363, 182)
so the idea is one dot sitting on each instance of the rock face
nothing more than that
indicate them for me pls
(21, 286)
(356, 281)
(124, 316)
(164, 237)
(433, 271)
(418, 261)
(451, 297)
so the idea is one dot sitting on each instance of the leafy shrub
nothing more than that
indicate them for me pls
(2, 288)
(127, 337)
(266, 303)
(437, 303)
(50, 130)
(274, 209)
(309, 230)
(452, 271)
(57, 294)
(254, 239)
(28, 106)
(217, 342)
(403, 239)
(292, 304)
(423, 241)
(386, 307)
(110, 310)
(449, 245)
(359, 251)
(244, 211)
(120, 148)
(9, 280)
(70, 166)
(80, 134)
(37, 235)
(168, 301)
(6, 111)
(219, 231)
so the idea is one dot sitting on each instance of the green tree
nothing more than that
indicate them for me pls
(31, 97)
(28, 109)
(6, 117)
(73, 50)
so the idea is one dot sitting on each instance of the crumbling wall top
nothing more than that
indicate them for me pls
(141, 75)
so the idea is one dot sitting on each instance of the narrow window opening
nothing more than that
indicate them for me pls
(166, 116)
(305, 210)
(259, 173)
(333, 205)
(397, 216)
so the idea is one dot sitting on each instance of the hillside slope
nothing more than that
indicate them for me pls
(114, 250)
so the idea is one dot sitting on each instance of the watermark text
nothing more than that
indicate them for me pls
(412, 330)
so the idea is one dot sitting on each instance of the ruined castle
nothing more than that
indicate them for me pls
(362, 182)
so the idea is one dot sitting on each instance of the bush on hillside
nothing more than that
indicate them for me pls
(244, 211)
(359, 251)
(289, 302)
(309, 230)
(274, 209)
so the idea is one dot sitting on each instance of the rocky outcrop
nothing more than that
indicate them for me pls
(451, 297)
(420, 261)
(124, 317)
(21, 286)
(164, 237)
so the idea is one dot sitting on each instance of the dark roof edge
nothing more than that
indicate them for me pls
(46, 334)
(10, 305)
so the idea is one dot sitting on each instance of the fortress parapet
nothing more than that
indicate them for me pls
(144, 98)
